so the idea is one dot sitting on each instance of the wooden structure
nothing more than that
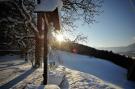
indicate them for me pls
(47, 12)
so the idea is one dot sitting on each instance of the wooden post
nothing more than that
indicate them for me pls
(49, 15)
(39, 43)
(45, 53)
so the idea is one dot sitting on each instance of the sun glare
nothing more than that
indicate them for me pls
(59, 37)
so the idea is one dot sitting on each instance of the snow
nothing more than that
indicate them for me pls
(10, 57)
(35, 79)
(72, 80)
(48, 5)
(81, 80)
(74, 72)
(100, 68)
(11, 66)
(51, 86)
(55, 78)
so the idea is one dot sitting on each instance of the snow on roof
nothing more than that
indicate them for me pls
(48, 5)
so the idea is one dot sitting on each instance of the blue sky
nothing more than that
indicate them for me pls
(114, 27)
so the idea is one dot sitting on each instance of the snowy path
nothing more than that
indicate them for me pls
(105, 70)
(17, 79)
(12, 70)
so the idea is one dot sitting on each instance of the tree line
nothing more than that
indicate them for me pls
(121, 60)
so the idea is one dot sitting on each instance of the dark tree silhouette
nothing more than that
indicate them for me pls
(18, 16)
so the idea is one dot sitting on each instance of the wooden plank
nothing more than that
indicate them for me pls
(45, 52)
(54, 18)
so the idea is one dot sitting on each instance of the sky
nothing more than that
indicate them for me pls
(115, 27)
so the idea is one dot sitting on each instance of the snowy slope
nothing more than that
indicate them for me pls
(102, 69)
(81, 72)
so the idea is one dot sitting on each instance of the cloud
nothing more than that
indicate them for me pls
(134, 38)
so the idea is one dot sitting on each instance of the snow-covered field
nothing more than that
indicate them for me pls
(81, 80)
(81, 72)
(73, 80)
(104, 70)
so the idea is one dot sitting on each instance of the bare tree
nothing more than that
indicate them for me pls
(18, 24)
(84, 10)
(18, 16)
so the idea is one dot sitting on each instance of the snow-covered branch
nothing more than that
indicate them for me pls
(26, 15)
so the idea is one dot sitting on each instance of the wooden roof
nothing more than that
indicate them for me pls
(48, 5)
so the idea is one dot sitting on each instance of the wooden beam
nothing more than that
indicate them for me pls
(54, 18)
(45, 50)
(38, 41)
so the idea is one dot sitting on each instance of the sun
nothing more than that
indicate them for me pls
(59, 37)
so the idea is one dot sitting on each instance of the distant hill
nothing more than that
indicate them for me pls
(116, 58)
(129, 48)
